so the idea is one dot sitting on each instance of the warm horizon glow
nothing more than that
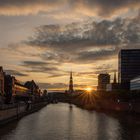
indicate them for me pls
(44, 40)
(88, 89)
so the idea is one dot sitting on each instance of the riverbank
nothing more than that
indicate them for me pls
(15, 112)
(59, 122)
(96, 102)
(110, 105)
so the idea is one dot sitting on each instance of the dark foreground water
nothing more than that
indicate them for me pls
(59, 122)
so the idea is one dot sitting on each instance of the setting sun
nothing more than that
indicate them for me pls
(88, 89)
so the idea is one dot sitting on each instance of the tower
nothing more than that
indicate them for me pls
(71, 83)
(129, 68)
(103, 80)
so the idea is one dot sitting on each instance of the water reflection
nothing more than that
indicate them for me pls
(59, 122)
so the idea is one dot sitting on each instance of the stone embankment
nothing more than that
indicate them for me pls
(9, 113)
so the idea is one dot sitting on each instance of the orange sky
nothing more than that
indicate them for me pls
(44, 40)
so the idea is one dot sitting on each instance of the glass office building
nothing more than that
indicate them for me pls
(135, 84)
(129, 65)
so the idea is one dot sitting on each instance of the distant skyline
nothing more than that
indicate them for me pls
(45, 39)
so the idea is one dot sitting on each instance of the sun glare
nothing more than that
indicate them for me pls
(88, 89)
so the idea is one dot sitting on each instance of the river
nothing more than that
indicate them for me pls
(60, 122)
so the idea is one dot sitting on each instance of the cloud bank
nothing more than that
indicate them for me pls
(87, 41)
(89, 7)
(90, 47)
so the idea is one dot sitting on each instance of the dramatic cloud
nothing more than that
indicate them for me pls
(85, 7)
(82, 35)
(35, 63)
(56, 75)
(105, 7)
(90, 56)
(19, 7)
(38, 66)
(15, 73)
(105, 68)
(87, 41)
(89, 33)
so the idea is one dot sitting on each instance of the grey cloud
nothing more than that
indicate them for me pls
(102, 7)
(78, 35)
(58, 37)
(78, 42)
(105, 68)
(56, 75)
(30, 2)
(15, 73)
(58, 56)
(108, 7)
(34, 63)
(39, 66)
(17, 7)
(93, 56)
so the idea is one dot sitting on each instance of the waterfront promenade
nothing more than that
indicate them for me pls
(11, 112)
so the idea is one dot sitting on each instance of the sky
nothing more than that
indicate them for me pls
(44, 40)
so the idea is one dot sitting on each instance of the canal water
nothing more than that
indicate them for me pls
(60, 122)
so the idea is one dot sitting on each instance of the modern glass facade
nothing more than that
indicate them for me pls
(129, 65)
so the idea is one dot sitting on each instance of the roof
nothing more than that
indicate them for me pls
(30, 84)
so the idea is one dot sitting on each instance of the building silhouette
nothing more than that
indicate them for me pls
(9, 87)
(1, 81)
(71, 83)
(14, 89)
(103, 80)
(129, 66)
(115, 78)
(34, 88)
(114, 86)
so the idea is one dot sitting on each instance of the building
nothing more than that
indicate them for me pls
(103, 80)
(14, 89)
(135, 84)
(129, 66)
(34, 88)
(71, 84)
(1, 81)
(9, 87)
(113, 86)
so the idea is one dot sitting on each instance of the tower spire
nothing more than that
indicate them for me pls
(71, 83)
